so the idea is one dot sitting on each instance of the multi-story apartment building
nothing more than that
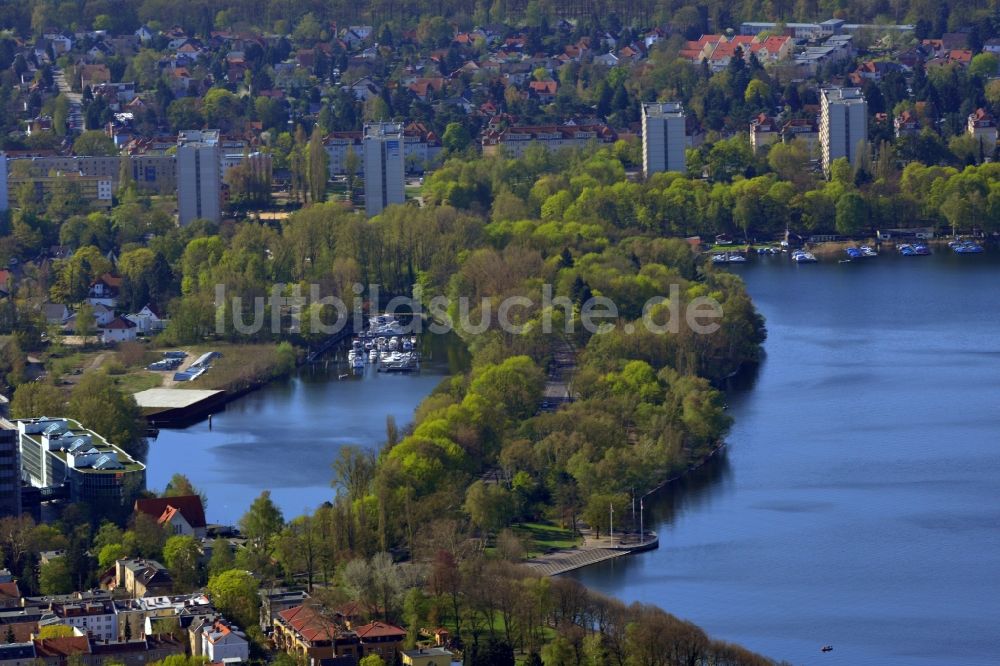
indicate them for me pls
(514, 141)
(843, 124)
(384, 166)
(664, 138)
(199, 176)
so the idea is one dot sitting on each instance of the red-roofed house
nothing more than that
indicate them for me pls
(105, 290)
(10, 595)
(58, 651)
(983, 127)
(183, 515)
(303, 631)
(763, 131)
(385, 640)
(961, 56)
(544, 90)
(906, 124)
(118, 329)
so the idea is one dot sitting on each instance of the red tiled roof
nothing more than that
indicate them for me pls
(62, 647)
(549, 87)
(309, 624)
(379, 630)
(22, 630)
(110, 280)
(189, 506)
(9, 590)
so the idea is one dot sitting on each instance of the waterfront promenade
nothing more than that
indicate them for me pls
(591, 551)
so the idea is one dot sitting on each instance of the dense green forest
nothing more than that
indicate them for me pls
(204, 15)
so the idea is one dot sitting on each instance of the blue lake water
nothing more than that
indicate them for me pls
(858, 503)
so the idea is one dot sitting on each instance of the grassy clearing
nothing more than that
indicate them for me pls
(240, 367)
(541, 538)
(139, 380)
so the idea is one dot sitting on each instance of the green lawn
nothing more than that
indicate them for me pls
(139, 380)
(540, 538)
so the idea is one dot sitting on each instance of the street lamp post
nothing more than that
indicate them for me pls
(611, 528)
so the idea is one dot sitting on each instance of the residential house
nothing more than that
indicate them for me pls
(983, 127)
(222, 641)
(103, 315)
(18, 654)
(118, 330)
(427, 656)
(906, 124)
(422, 88)
(104, 290)
(10, 594)
(804, 129)
(59, 651)
(763, 131)
(95, 618)
(148, 650)
(383, 639)
(150, 319)
(56, 314)
(273, 601)
(304, 632)
(144, 34)
(364, 89)
(544, 91)
(142, 578)
(182, 515)
(93, 75)
(607, 59)
(874, 70)
(992, 45)
(60, 43)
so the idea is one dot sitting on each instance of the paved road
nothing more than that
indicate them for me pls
(559, 382)
(75, 119)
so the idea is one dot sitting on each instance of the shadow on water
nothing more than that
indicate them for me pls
(692, 490)
(700, 485)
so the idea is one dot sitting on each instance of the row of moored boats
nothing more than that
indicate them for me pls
(853, 253)
(385, 345)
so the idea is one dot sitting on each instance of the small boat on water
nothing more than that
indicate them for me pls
(867, 251)
(907, 250)
(373, 355)
(826, 648)
(966, 247)
(854, 253)
(803, 257)
(921, 250)
(728, 258)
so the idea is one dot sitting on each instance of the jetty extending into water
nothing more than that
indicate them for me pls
(591, 551)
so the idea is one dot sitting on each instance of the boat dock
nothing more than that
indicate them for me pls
(176, 407)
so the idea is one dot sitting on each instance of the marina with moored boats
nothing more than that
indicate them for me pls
(385, 344)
